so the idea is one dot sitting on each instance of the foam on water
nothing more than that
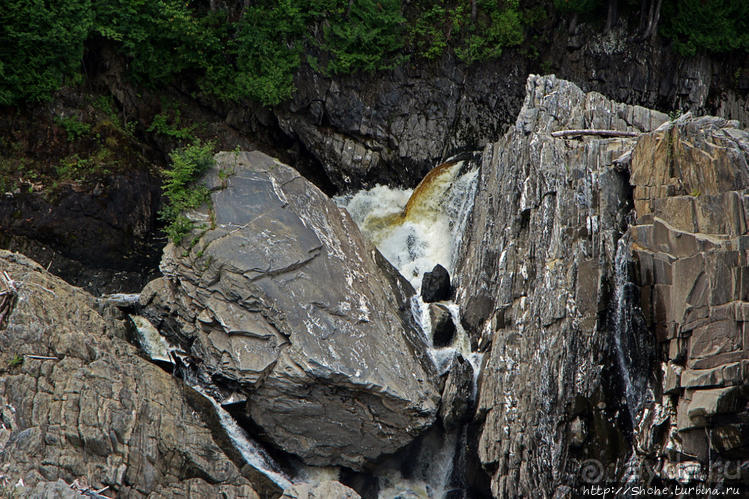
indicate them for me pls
(416, 230)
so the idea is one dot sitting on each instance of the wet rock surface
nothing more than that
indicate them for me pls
(393, 128)
(536, 274)
(324, 489)
(281, 297)
(90, 408)
(457, 396)
(607, 274)
(100, 237)
(435, 285)
(443, 327)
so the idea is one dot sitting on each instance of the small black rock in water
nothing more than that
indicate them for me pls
(435, 285)
(443, 327)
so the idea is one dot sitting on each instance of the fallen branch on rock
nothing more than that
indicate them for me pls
(590, 131)
(40, 357)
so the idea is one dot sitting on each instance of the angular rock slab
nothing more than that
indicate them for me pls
(89, 407)
(282, 296)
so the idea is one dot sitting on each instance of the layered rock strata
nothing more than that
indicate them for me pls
(78, 402)
(536, 280)
(690, 241)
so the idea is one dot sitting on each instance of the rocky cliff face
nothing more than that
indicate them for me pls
(580, 305)
(393, 128)
(689, 241)
(535, 282)
(282, 298)
(77, 402)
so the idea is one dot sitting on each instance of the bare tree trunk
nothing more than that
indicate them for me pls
(654, 30)
(653, 17)
(474, 11)
(573, 24)
(612, 16)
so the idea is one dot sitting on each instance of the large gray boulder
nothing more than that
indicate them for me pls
(281, 298)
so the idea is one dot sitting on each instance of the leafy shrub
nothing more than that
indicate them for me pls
(268, 49)
(367, 37)
(180, 189)
(73, 126)
(497, 28)
(163, 125)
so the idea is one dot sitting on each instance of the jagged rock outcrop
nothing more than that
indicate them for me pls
(282, 298)
(90, 408)
(443, 327)
(457, 396)
(690, 181)
(615, 315)
(322, 490)
(536, 274)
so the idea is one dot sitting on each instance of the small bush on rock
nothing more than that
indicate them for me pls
(180, 188)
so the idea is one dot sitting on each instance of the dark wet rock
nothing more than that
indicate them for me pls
(534, 278)
(100, 238)
(393, 126)
(282, 297)
(92, 408)
(435, 285)
(457, 396)
(443, 327)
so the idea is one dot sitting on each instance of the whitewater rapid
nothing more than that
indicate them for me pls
(416, 229)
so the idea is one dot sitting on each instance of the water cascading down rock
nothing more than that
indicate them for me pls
(282, 298)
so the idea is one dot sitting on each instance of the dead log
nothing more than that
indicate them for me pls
(590, 131)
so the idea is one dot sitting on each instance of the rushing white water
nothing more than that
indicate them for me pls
(416, 229)
(632, 355)
(251, 452)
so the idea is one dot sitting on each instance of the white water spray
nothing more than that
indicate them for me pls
(251, 452)
(416, 229)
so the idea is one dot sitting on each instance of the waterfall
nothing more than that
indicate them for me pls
(629, 331)
(252, 453)
(416, 229)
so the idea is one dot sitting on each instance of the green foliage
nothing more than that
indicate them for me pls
(73, 168)
(500, 27)
(162, 124)
(73, 126)
(433, 29)
(712, 25)
(180, 189)
(367, 37)
(161, 38)
(268, 50)
(41, 47)
(16, 361)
